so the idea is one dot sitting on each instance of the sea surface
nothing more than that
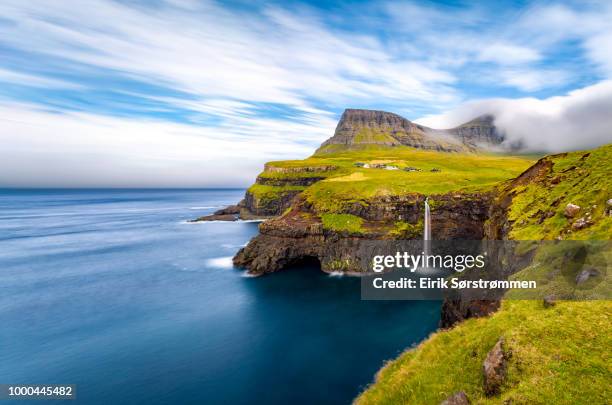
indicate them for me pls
(112, 290)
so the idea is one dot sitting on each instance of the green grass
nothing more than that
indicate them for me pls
(406, 230)
(555, 272)
(583, 181)
(368, 135)
(465, 172)
(342, 223)
(560, 355)
(264, 193)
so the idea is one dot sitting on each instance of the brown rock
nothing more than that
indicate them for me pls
(581, 223)
(571, 210)
(458, 398)
(494, 368)
(585, 274)
(550, 301)
(215, 217)
(229, 210)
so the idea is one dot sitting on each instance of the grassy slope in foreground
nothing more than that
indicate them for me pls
(560, 355)
(348, 183)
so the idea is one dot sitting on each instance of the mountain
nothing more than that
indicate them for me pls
(479, 132)
(360, 128)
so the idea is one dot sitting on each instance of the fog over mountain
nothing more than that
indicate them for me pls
(581, 119)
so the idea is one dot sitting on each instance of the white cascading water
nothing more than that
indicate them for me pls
(426, 229)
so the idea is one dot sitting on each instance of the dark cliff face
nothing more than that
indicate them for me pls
(299, 234)
(370, 127)
(497, 227)
(254, 207)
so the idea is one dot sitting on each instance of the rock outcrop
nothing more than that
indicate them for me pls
(261, 207)
(229, 213)
(494, 368)
(459, 398)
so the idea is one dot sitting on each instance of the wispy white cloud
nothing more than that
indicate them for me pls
(93, 150)
(24, 79)
(204, 49)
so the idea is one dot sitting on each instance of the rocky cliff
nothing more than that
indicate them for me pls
(302, 233)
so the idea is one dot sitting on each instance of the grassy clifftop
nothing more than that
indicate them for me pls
(581, 178)
(344, 180)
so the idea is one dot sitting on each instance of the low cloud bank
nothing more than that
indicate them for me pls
(581, 119)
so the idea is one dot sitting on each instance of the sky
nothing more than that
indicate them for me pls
(186, 93)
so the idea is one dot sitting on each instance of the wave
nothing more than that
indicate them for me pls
(232, 246)
(216, 222)
(210, 207)
(224, 262)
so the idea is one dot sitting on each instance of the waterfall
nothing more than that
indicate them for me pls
(426, 229)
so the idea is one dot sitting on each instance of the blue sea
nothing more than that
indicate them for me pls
(112, 290)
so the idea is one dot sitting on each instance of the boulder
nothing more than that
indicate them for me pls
(550, 301)
(585, 274)
(494, 368)
(571, 210)
(556, 180)
(458, 398)
(581, 223)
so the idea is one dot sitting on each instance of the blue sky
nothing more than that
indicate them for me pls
(201, 93)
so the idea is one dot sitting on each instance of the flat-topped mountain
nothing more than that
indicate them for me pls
(359, 128)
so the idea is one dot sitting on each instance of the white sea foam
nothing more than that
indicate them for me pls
(336, 274)
(232, 246)
(220, 262)
(216, 222)
(246, 274)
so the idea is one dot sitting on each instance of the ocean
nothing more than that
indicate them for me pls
(112, 290)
